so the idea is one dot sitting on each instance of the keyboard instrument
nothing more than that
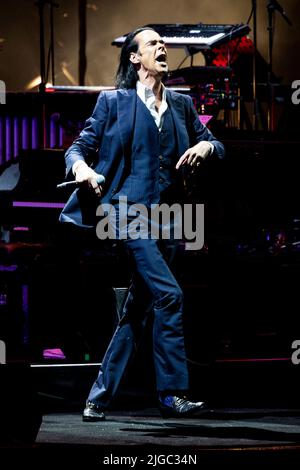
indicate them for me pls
(200, 36)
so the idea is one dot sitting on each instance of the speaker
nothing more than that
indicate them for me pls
(20, 412)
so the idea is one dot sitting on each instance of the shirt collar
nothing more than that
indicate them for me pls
(146, 93)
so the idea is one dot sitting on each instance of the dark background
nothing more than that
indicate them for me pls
(106, 20)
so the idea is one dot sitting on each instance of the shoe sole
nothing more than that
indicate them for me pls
(92, 419)
(189, 414)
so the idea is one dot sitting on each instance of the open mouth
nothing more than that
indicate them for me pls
(162, 58)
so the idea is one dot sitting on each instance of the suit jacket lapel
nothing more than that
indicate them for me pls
(126, 111)
(126, 107)
(178, 113)
(177, 109)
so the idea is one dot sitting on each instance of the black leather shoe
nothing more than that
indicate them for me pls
(92, 413)
(175, 407)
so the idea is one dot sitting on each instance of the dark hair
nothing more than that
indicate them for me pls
(126, 76)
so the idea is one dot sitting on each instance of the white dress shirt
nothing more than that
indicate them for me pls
(148, 98)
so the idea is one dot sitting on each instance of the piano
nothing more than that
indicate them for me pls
(198, 36)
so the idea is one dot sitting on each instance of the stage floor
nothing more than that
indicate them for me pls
(228, 428)
(236, 436)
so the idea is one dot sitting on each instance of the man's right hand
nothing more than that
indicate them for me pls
(84, 174)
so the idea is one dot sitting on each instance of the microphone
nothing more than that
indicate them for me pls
(73, 184)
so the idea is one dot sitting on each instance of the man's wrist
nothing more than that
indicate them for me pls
(76, 165)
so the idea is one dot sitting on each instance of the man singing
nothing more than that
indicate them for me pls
(143, 138)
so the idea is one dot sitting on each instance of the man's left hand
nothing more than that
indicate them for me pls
(195, 155)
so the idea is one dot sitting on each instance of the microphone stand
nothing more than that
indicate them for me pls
(272, 6)
(41, 4)
(42, 87)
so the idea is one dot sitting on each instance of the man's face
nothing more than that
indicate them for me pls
(151, 54)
